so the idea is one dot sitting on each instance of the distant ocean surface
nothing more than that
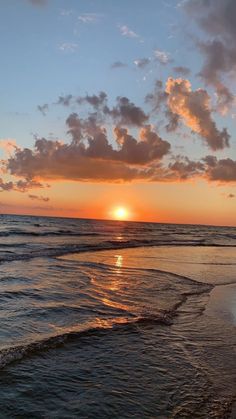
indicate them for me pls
(111, 319)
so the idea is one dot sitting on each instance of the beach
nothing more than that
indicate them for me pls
(116, 319)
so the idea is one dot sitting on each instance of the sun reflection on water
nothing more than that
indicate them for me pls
(119, 261)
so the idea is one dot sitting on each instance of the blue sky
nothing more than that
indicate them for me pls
(48, 51)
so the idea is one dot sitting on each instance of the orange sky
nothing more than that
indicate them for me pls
(159, 202)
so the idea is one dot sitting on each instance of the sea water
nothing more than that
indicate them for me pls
(104, 319)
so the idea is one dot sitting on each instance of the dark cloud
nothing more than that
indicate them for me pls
(118, 64)
(150, 146)
(217, 18)
(65, 100)
(127, 113)
(43, 109)
(158, 97)
(173, 120)
(231, 195)
(75, 125)
(209, 168)
(124, 112)
(142, 62)
(21, 185)
(39, 198)
(184, 168)
(193, 107)
(223, 170)
(6, 186)
(26, 184)
(184, 71)
(217, 62)
(94, 159)
(97, 101)
(89, 155)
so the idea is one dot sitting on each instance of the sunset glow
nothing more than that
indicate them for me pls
(120, 213)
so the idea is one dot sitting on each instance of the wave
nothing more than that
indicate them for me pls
(106, 245)
(16, 353)
(46, 233)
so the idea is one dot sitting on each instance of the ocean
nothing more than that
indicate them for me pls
(115, 319)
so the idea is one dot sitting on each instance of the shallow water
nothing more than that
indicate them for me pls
(118, 333)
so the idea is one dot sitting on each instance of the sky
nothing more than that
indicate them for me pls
(108, 104)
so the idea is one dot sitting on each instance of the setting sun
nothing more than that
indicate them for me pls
(120, 213)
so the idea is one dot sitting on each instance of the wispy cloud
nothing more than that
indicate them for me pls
(39, 198)
(68, 47)
(142, 62)
(126, 31)
(162, 56)
(43, 109)
(89, 17)
(66, 12)
(184, 71)
(118, 64)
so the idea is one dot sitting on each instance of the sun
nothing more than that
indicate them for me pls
(120, 213)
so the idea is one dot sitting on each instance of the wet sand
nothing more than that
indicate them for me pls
(222, 303)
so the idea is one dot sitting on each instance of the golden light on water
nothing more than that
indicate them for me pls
(119, 261)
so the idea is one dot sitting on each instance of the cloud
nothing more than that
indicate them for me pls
(223, 170)
(43, 109)
(39, 198)
(65, 100)
(142, 62)
(124, 112)
(6, 186)
(209, 168)
(26, 184)
(88, 17)
(217, 19)
(127, 32)
(158, 97)
(231, 195)
(118, 64)
(182, 70)
(162, 56)
(127, 113)
(8, 145)
(94, 100)
(173, 120)
(20, 185)
(193, 107)
(93, 158)
(185, 168)
(68, 47)
(66, 12)
(150, 147)
(90, 155)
